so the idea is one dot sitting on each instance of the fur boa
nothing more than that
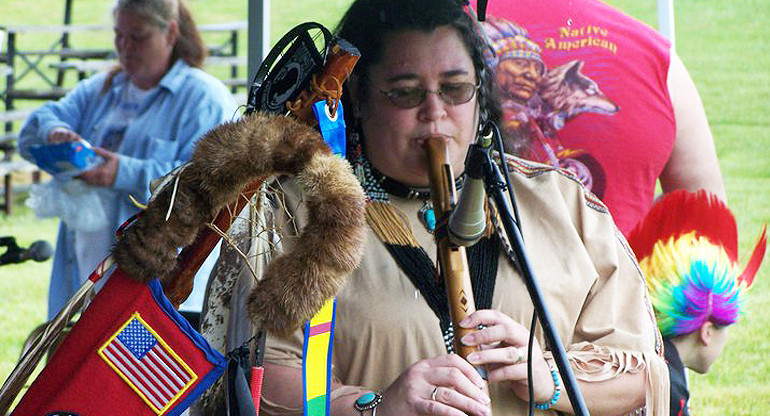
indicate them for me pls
(229, 157)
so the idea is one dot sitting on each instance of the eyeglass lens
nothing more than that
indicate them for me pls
(452, 94)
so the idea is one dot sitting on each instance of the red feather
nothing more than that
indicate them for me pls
(680, 212)
(758, 254)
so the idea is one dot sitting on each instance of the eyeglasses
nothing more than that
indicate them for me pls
(454, 93)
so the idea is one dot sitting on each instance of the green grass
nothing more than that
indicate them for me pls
(25, 285)
(725, 47)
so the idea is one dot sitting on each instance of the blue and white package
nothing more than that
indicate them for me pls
(69, 158)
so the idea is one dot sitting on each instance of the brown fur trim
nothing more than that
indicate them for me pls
(225, 160)
(296, 285)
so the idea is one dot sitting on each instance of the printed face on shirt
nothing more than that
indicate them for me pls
(518, 78)
(394, 136)
(144, 50)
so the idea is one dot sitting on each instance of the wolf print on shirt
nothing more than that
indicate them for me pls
(538, 101)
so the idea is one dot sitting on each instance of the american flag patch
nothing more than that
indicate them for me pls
(144, 361)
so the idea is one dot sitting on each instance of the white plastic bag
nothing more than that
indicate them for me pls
(76, 203)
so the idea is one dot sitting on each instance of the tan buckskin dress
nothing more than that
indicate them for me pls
(590, 281)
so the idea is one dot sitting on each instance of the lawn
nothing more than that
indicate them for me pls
(725, 46)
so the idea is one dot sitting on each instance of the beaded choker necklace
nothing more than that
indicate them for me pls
(426, 214)
(398, 189)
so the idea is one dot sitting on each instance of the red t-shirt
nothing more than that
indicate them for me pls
(601, 106)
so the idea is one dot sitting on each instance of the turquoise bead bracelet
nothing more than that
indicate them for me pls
(556, 392)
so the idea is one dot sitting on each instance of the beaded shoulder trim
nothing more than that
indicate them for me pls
(531, 169)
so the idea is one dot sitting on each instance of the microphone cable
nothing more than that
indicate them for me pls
(498, 144)
(492, 129)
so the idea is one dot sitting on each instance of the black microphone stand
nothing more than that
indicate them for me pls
(12, 253)
(495, 185)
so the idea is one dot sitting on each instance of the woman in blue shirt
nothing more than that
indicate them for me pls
(143, 118)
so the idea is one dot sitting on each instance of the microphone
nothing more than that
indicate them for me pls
(468, 220)
(39, 251)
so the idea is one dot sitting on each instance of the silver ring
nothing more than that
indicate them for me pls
(433, 394)
(522, 355)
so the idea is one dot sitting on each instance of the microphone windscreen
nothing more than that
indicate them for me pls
(41, 250)
(468, 220)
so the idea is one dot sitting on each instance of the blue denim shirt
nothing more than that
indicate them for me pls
(187, 103)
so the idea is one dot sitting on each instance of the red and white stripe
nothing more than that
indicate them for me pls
(157, 376)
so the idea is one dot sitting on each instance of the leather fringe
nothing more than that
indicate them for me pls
(390, 224)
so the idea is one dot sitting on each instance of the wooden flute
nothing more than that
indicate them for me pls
(453, 260)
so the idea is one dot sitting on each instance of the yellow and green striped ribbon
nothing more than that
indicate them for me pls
(317, 361)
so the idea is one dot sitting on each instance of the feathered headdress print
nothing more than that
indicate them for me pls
(687, 247)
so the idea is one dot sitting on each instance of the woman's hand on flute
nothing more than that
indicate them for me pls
(503, 350)
(446, 385)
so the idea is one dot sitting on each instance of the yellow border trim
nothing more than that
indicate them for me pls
(190, 372)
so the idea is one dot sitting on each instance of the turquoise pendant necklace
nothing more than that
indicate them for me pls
(427, 216)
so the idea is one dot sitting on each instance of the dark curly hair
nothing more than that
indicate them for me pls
(367, 22)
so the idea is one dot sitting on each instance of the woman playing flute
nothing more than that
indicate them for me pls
(422, 76)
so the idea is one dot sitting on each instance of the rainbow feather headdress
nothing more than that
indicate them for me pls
(687, 247)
